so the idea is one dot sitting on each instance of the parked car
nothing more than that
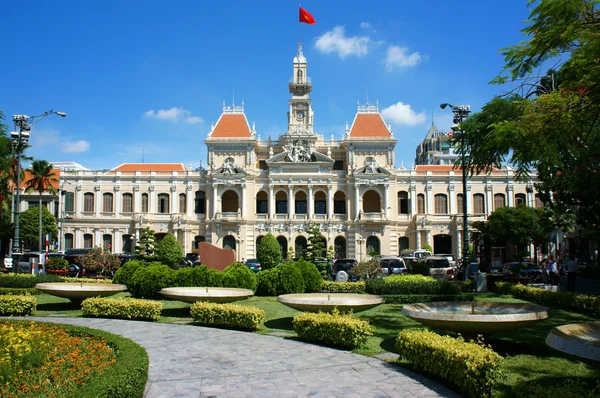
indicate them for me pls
(397, 263)
(450, 258)
(124, 257)
(523, 270)
(253, 264)
(24, 265)
(346, 265)
(418, 254)
(440, 268)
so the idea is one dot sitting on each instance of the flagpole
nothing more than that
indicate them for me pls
(298, 22)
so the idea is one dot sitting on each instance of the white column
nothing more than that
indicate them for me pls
(356, 201)
(78, 238)
(309, 202)
(429, 199)
(189, 202)
(98, 202)
(329, 202)
(458, 243)
(117, 205)
(152, 209)
(117, 241)
(452, 200)
(489, 200)
(137, 200)
(97, 238)
(290, 202)
(511, 196)
(413, 199)
(428, 237)
(243, 201)
(418, 233)
(78, 203)
(174, 199)
(271, 203)
(386, 201)
(214, 202)
(185, 242)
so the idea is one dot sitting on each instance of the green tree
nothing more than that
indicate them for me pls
(428, 247)
(42, 180)
(29, 225)
(317, 244)
(330, 253)
(268, 252)
(145, 245)
(169, 251)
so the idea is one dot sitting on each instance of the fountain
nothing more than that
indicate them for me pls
(212, 294)
(578, 339)
(475, 318)
(326, 302)
(77, 292)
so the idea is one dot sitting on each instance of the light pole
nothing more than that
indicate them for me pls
(530, 191)
(360, 241)
(461, 112)
(23, 125)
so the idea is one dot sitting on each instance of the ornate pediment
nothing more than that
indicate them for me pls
(371, 167)
(229, 169)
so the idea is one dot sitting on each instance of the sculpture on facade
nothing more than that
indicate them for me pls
(371, 166)
(298, 151)
(228, 166)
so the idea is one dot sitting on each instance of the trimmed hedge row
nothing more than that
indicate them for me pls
(229, 316)
(472, 367)
(342, 287)
(17, 305)
(343, 330)
(426, 298)
(19, 291)
(26, 280)
(411, 284)
(85, 280)
(578, 302)
(128, 308)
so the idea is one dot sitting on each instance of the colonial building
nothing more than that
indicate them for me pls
(349, 187)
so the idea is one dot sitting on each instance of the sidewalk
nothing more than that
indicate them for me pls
(193, 361)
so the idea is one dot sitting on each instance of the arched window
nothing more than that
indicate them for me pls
(283, 246)
(499, 201)
(441, 203)
(88, 202)
(520, 199)
(199, 202)
(320, 206)
(107, 242)
(144, 203)
(127, 203)
(421, 203)
(107, 202)
(300, 246)
(281, 203)
(340, 247)
(182, 203)
(339, 203)
(459, 203)
(371, 202)
(300, 76)
(88, 241)
(262, 203)
(229, 242)
(128, 243)
(163, 203)
(479, 203)
(229, 202)
(69, 201)
(300, 200)
(403, 205)
(373, 246)
(68, 241)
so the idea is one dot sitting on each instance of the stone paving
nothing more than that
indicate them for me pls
(194, 361)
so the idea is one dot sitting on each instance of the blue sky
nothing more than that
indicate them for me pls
(146, 79)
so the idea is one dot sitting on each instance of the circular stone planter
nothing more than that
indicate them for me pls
(579, 339)
(77, 292)
(326, 302)
(212, 294)
(475, 318)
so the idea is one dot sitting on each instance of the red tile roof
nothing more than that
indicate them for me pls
(368, 125)
(150, 167)
(232, 125)
(28, 176)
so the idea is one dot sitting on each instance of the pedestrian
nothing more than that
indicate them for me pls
(572, 268)
(553, 271)
(544, 268)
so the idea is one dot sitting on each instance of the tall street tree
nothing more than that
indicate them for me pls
(42, 180)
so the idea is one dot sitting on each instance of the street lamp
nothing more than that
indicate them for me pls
(461, 112)
(529, 190)
(360, 241)
(23, 125)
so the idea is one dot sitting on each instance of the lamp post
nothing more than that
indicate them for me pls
(23, 125)
(461, 112)
(530, 191)
(360, 241)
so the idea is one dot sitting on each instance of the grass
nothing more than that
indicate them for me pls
(527, 357)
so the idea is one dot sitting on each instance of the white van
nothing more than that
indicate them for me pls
(416, 254)
(26, 259)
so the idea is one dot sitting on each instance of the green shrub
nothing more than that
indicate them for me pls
(472, 367)
(411, 284)
(26, 280)
(244, 278)
(229, 316)
(466, 286)
(290, 279)
(418, 268)
(343, 330)
(426, 298)
(86, 280)
(124, 273)
(147, 282)
(568, 389)
(343, 287)
(19, 291)
(268, 252)
(312, 277)
(367, 269)
(128, 308)
(17, 305)
(268, 281)
(168, 251)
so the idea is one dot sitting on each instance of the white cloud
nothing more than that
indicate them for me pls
(365, 25)
(398, 57)
(335, 41)
(74, 146)
(401, 113)
(174, 114)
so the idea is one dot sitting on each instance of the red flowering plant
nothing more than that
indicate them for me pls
(56, 263)
(100, 260)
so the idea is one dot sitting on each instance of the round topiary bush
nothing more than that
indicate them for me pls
(244, 278)
(146, 282)
(124, 273)
(312, 277)
(268, 252)
(168, 251)
(267, 282)
(290, 279)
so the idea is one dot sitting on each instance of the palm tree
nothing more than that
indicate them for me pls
(42, 178)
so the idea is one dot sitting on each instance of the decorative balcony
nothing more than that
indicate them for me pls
(228, 216)
(300, 217)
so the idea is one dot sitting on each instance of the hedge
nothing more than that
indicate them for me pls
(86, 280)
(570, 388)
(584, 303)
(19, 291)
(473, 368)
(343, 330)
(411, 284)
(426, 298)
(228, 316)
(17, 305)
(26, 280)
(128, 308)
(147, 281)
(343, 287)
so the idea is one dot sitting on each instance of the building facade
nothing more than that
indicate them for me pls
(349, 187)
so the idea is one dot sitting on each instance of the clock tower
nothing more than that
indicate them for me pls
(300, 115)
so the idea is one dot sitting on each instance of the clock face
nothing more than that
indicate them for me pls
(300, 115)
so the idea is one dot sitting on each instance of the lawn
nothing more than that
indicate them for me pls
(527, 357)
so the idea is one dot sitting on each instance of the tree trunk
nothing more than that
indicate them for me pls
(40, 235)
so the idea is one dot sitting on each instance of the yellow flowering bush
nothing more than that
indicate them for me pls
(343, 330)
(17, 305)
(86, 280)
(342, 287)
(227, 315)
(129, 308)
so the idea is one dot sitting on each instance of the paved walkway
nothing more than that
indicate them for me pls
(193, 361)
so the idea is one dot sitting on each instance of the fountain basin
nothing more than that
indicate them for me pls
(475, 318)
(326, 302)
(78, 292)
(212, 294)
(579, 339)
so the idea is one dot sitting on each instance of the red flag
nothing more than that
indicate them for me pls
(306, 17)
